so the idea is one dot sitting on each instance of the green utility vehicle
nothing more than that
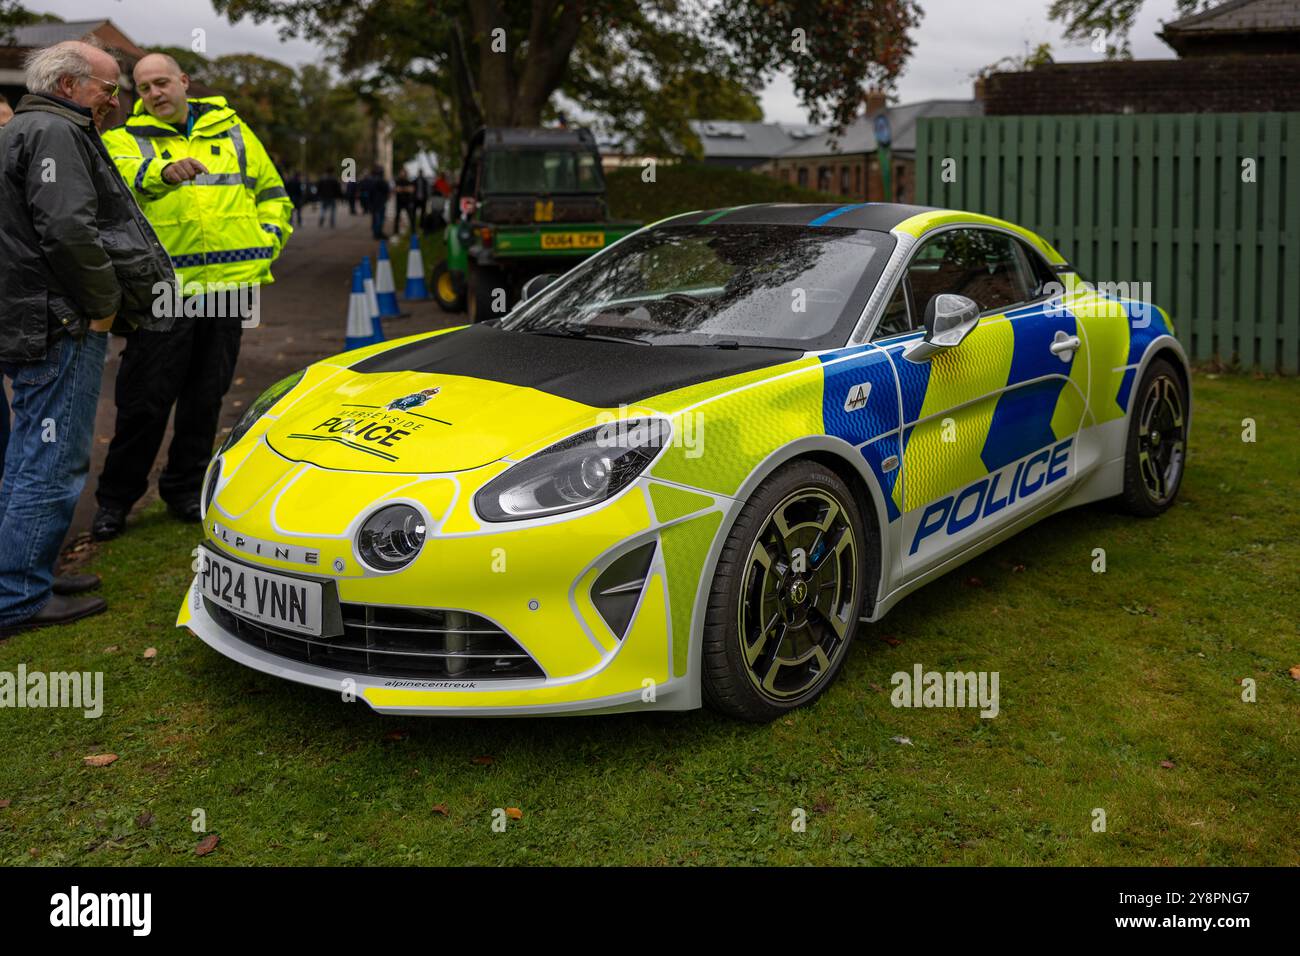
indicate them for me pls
(530, 202)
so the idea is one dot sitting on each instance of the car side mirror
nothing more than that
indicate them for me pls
(536, 284)
(949, 319)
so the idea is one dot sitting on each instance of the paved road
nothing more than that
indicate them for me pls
(303, 319)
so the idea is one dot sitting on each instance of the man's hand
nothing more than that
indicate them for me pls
(103, 325)
(182, 169)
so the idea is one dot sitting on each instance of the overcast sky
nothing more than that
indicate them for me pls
(956, 38)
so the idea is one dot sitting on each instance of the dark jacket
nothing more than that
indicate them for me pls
(74, 244)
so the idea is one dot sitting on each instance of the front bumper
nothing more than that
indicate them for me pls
(586, 693)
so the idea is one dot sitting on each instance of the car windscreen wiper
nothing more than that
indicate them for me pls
(580, 332)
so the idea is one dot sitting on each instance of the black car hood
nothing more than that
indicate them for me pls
(597, 373)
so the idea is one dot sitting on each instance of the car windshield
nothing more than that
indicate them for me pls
(781, 286)
(541, 171)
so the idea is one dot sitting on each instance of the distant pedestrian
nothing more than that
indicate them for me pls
(404, 199)
(328, 191)
(441, 186)
(294, 187)
(376, 187)
(351, 192)
(421, 183)
(78, 259)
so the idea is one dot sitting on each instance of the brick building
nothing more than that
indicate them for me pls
(1242, 56)
(847, 165)
(34, 36)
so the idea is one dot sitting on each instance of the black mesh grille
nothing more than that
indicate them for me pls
(414, 643)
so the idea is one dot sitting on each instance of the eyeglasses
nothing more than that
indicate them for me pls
(112, 88)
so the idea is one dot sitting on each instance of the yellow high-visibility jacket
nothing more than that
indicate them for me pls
(227, 226)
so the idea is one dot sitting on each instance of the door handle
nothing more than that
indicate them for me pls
(1064, 346)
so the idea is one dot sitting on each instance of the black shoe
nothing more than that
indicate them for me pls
(108, 523)
(75, 583)
(186, 510)
(58, 610)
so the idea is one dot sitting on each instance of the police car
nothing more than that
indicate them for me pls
(688, 472)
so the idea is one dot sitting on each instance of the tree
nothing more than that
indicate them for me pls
(1108, 23)
(502, 62)
(14, 14)
(1040, 55)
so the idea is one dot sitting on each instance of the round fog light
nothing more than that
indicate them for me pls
(391, 537)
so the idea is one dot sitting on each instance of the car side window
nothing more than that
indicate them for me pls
(895, 320)
(983, 265)
(1039, 275)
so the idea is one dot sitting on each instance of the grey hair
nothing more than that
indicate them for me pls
(46, 67)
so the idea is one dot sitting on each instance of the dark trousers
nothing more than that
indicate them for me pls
(377, 211)
(190, 367)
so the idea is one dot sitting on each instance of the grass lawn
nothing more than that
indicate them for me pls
(1103, 678)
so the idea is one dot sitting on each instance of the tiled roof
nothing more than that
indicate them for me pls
(733, 140)
(860, 136)
(36, 35)
(1241, 16)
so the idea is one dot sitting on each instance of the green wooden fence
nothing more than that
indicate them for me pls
(1159, 199)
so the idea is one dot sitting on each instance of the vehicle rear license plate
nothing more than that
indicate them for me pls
(573, 240)
(274, 599)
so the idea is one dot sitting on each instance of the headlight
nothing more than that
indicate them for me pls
(578, 472)
(391, 537)
(260, 407)
(210, 487)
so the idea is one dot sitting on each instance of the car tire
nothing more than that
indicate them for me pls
(484, 281)
(1156, 450)
(743, 677)
(448, 289)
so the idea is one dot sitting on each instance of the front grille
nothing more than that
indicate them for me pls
(412, 643)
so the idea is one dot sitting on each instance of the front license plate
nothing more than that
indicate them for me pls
(274, 599)
(573, 240)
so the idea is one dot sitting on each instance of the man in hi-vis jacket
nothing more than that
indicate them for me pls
(211, 192)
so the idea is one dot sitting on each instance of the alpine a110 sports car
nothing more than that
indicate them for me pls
(689, 471)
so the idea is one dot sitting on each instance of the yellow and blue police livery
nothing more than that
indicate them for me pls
(687, 472)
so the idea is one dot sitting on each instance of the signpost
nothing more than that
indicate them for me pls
(884, 137)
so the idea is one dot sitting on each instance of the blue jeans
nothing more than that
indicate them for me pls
(327, 206)
(45, 465)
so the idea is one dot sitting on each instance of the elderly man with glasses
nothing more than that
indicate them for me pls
(79, 259)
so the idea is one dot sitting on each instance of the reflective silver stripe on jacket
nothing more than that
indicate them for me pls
(237, 138)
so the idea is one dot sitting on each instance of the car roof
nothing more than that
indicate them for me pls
(875, 216)
(536, 136)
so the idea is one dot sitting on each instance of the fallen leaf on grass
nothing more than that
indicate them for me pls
(974, 582)
(150, 653)
(112, 649)
(1017, 569)
(514, 813)
(441, 809)
(877, 688)
(5, 802)
(890, 640)
(207, 845)
(905, 741)
(485, 761)
(145, 819)
(99, 760)
(1167, 764)
(1295, 672)
(396, 735)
